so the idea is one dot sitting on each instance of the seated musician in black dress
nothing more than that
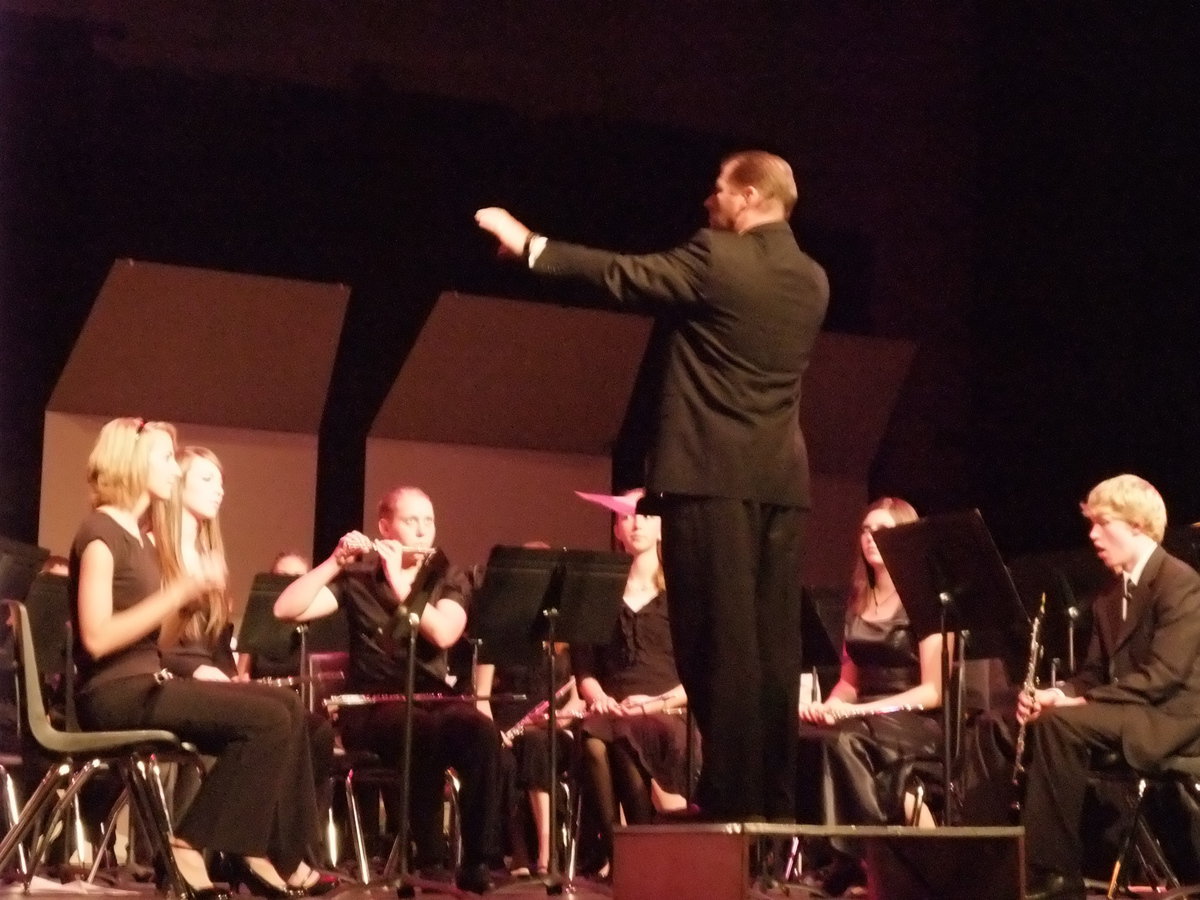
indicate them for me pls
(197, 641)
(634, 737)
(863, 746)
(525, 757)
(378, 583)
(256, 803)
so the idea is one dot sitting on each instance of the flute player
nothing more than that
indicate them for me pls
(861, 747)
(377, 584)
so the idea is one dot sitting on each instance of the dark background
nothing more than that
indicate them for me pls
(1012, 186)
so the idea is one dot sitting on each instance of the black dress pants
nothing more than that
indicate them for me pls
(454, 734)
(732, 572)
(1061, 743)
(258, 798)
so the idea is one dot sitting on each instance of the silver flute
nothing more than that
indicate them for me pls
(853, 713)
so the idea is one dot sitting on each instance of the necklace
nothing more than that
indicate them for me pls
(878, 601)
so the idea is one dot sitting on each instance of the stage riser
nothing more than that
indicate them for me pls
(713, 862)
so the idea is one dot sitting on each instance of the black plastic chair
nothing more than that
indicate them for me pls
(75, 756)
(1138, 840)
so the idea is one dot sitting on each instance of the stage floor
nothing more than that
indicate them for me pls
(522, 889)
(519, 889)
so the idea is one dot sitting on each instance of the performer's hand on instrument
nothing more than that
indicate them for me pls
(1030, 706)
(508, 231)
(813, 713)
(352, 546)
(606, 705)
(835, 710)
(641, 704)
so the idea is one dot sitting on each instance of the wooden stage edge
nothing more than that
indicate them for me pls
(712, 861)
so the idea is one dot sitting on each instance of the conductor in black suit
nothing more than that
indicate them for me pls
(1137, 693)
(727, 469)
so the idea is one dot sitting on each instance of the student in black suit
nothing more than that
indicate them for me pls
(728, 470)
(1137, 693)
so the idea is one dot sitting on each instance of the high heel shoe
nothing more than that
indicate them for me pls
(188, 865)
(320, 885)
(240, 874)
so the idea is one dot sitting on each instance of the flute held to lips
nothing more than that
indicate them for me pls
(356, 544)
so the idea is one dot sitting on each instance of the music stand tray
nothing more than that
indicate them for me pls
(952, 554)
(261, 633)
(521, 584)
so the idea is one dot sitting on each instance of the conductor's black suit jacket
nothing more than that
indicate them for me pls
(1147, 667)
(745, 310)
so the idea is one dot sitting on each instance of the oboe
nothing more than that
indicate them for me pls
(1027, 688)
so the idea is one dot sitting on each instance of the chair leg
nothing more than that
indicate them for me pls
(333, 844)
(67, 801)
(575, 817)
(146, 791)
(791, 870)
(1118, 881)
(82, 849)
(356, 830)
(1153, 860)
(41, 799)
(108, 835)
(454, 825)
(12, 814)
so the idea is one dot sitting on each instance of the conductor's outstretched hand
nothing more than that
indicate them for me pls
(508, 231)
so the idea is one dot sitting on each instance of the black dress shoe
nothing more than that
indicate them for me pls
(476, 879)
(1055, 886)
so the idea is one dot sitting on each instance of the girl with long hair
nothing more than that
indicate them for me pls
(197, 641)
(863, 746)
(256, 804)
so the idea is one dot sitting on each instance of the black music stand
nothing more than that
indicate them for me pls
(951, 579)
(530, 599)
(281, 648)
(19, 565)
(822, 627)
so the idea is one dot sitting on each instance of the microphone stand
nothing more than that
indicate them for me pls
(399, 854)
(1072, 619)
(1072, 611)
(554, 879)
(946, 601)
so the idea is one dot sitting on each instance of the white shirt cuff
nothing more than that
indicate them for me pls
(536, 246)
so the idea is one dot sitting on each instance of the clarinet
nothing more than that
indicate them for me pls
(1027, 688)
(537, 714)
